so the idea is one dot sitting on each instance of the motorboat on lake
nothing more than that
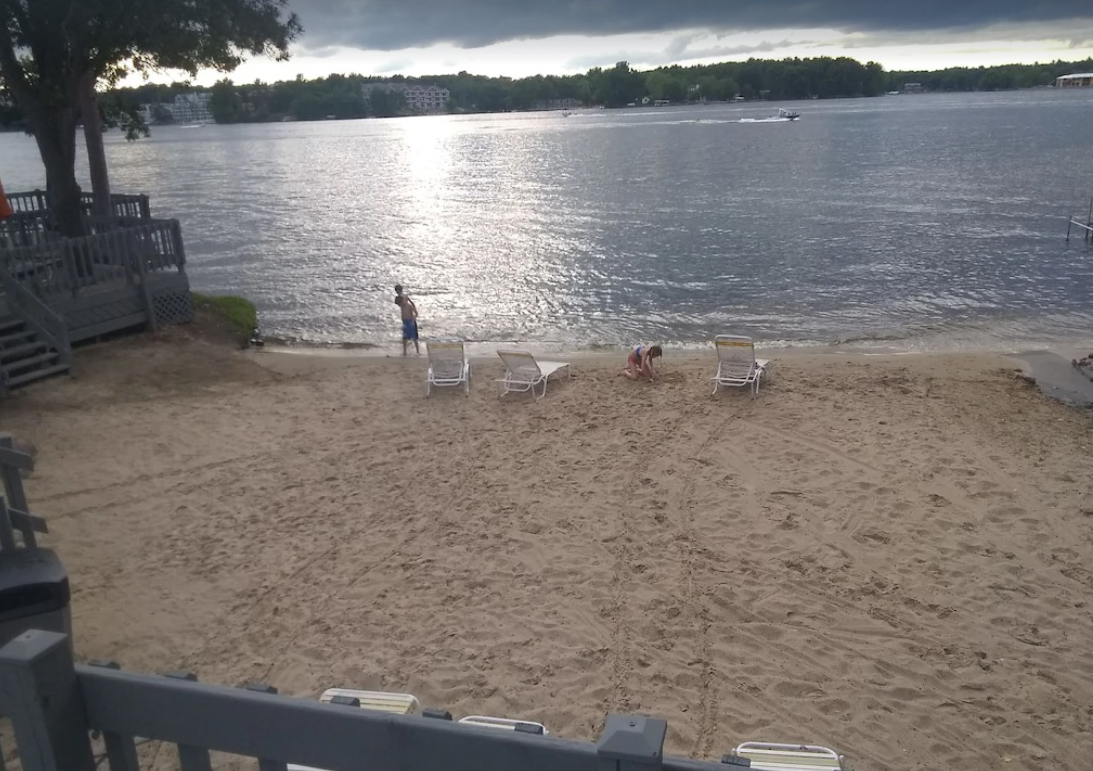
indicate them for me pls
(783, 116)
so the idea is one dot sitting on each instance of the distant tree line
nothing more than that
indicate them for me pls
(342, 96)
(1001, 78)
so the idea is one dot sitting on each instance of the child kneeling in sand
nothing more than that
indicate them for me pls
(640, 362)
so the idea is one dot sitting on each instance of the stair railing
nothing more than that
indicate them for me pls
(42, 320)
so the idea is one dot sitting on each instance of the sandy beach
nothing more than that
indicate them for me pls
(887, 555)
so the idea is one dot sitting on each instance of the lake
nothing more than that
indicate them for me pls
(912, 221)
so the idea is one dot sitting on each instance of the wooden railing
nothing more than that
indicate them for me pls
(53, 705)
(34, 201)
(15, 515)
(126, 206)
(132, 207)
(33, 224)
(49, 326)
(26, 228)
(67, 266)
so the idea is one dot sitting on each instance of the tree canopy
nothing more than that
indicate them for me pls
(340, 96)
(53, 53)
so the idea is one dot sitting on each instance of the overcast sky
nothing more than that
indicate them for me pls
(527, 37)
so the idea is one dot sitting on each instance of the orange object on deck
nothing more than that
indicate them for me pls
(5, 207)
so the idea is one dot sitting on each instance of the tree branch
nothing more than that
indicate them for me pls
(15, 77)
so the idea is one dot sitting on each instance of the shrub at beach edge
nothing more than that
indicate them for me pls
(236, 315)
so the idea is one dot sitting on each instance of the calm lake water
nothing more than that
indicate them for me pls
(933, 221)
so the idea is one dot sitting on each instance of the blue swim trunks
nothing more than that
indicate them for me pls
(409, 329)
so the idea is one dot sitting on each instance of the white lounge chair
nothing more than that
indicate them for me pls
(381, 701)
(505, 723)
(448, 365)
(524, 373)
(736, 363)
(768, 756)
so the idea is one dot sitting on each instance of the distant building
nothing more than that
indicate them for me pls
(912, 88)
(186, 109)
(418, 98)
(192, 108)
(1080, 80)
(556, 104)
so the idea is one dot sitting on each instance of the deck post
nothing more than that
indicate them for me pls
(632, 743)
(145, 290)
(40, 693)
(191, 758)
(264, 764)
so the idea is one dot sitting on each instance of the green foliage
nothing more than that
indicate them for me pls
(618, 86)
(120, 111)
(999, 78)
(341, 96)
(53, 54)
(237, 314)
(386, 103)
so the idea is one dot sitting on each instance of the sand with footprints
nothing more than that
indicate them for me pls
(886, 555)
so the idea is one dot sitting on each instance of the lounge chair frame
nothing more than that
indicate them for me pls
(523, 373)
(448, 365)
(736, 363)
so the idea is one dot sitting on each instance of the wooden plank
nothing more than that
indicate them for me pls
(193, 758)
(116, 290)
(264, 764)
(14, 459)
(121, 752)
(9, 456)
(113, 325)
(25, 521)
(7, 535)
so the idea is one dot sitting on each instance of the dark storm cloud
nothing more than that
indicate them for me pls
(395, 24)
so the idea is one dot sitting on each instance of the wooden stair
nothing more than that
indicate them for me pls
(24, 358)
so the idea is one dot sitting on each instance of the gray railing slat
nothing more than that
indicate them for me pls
(7, 534)
(264, 764)
(14, 459)
(310, 733)
(121, 752)
(54, 704)
(194, 758)
(12, 463)
(21, 520)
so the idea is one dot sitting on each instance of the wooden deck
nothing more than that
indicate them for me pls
(117, 278)
(118, 304)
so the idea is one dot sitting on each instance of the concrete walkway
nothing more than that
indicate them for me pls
(1057, 377)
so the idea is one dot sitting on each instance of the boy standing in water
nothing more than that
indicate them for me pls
(409, 319)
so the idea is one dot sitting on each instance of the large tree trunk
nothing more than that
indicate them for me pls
(55, 134)
(96, 154)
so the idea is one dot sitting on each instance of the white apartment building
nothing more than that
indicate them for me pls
(1078, 80)
(192, 108)
(418, 98)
